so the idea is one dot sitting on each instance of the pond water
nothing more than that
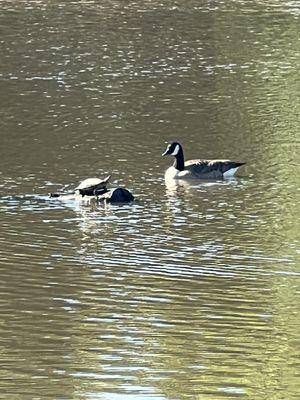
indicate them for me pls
(193, 291)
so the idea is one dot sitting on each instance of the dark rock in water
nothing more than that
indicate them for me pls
(118, 195)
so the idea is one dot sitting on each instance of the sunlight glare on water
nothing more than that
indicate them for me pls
(192, 291)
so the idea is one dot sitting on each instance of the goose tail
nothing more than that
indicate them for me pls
(232, 169)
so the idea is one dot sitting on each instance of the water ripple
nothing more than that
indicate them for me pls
(193, 290)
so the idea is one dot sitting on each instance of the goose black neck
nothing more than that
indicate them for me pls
(179, 160)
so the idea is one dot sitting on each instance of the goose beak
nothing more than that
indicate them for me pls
(166, 152)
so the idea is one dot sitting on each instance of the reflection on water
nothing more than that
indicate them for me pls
(193, 290)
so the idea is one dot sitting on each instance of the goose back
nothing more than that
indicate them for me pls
(210, 169)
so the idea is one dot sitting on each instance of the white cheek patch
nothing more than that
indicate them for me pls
(176, 150)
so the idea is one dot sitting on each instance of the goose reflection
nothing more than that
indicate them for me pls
(180, 187)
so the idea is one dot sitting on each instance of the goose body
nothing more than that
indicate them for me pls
(198, 169)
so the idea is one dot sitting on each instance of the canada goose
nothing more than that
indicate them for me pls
(198, 169)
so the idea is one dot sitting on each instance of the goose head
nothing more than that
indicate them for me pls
(173, 149)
